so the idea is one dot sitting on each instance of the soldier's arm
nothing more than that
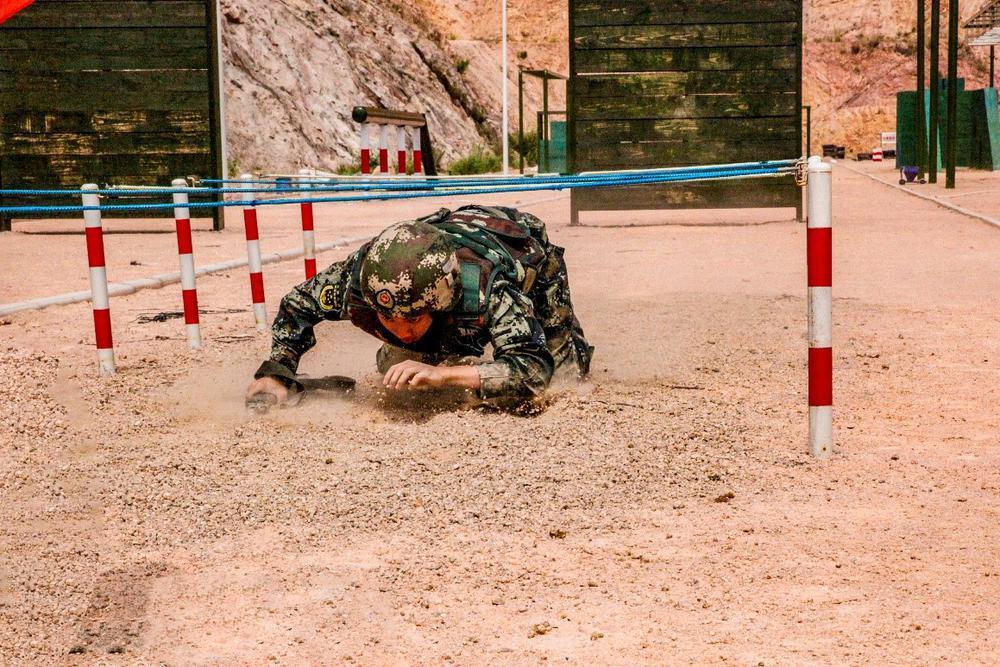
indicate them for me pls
(522, 365)
(321, 298)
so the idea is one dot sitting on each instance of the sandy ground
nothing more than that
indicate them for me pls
(975, 190)
(665, 512)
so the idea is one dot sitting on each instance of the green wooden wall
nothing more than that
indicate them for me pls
(109, 91)
(978, 141)
(670, 83)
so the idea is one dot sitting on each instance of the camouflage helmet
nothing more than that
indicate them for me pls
(409, 269)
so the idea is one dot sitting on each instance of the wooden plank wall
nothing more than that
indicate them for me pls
(671, 83)
(109, 91)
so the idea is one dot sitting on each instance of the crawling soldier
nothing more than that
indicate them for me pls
(436, 290)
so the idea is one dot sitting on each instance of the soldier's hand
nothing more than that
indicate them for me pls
(268, 385)
(411, 374)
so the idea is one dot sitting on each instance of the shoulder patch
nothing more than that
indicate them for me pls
(326, 298)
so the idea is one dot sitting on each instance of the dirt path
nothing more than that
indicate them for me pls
(665, 512)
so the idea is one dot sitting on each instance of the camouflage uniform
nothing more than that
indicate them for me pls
(498, 281)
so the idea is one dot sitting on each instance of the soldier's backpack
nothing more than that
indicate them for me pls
(493, 241)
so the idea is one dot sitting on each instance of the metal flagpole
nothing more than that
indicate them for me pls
(504, 139)
(921, 117)
(951, 126)
(935, 131)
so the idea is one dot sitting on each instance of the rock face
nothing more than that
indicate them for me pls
(295, 68)
(859, 53)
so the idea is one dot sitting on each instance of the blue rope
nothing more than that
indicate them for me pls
(639, 178)
(416, 183)
(423, 178)
(393, 185)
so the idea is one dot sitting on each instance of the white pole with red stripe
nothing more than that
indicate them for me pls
(366, 149)
(383, 149)
(185, 251)
(253, 255)
(819, 252)
(308, 232)
(400, 149)
(418, 157)
(100, 302)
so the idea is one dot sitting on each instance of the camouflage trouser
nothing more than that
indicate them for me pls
(554, 311)
(553, 306)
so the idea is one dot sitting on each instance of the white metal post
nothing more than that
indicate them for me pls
(253, 255)
(185, 252)
(308, 233)
(100, 302)
(819, 252)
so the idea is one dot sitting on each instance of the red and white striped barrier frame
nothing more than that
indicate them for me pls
(308, 231)
(185, 252)
(253, 255)
(819, 253)
(100, 302)
(384, 120)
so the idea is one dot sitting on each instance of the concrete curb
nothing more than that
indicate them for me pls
(954, 207)
(154, 282)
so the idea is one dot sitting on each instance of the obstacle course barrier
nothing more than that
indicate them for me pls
(408, 125)
(303, 189)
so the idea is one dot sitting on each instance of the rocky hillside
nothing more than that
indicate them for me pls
(859, 53)
(294, 69)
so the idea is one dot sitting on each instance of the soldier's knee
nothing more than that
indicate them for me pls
(535, 224)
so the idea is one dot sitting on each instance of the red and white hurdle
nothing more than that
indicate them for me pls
(819, 253)
(99, 299)
(185, 252)
(408, 126)
(101, 290)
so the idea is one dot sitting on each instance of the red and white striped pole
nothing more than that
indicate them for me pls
(819, 252)
(418, 157)
(185, 251)
(366, 149)
(383, 149)
(400, 149)
(308, 233)
(253, 256)
(98, 282)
